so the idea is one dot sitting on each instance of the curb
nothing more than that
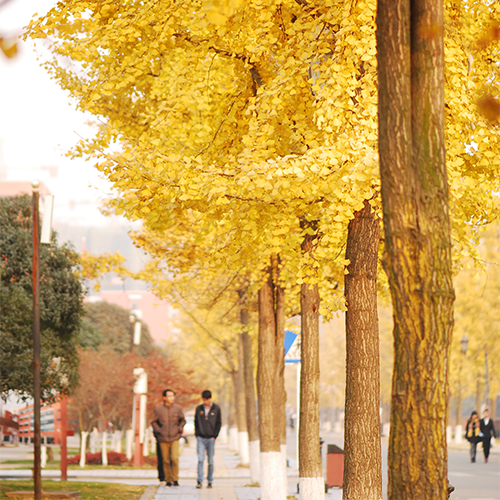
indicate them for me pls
(150, 493)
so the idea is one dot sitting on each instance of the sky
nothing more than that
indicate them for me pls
(39, 125)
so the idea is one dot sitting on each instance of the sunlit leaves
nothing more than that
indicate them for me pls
(234, 120)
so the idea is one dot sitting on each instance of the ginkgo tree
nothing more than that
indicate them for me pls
(258, 119)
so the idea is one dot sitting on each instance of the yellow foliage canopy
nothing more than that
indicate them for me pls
(242, 119)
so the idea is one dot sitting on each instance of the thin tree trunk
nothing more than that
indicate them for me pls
(478, 393)
(459, 407)
(241, 417)
(362, 451)
(310, 470)
(279, 315)
(253, 429)
(268, 386)
(417, 239)
(233, 424)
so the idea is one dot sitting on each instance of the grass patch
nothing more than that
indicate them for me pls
(29, 461)
(89, 491)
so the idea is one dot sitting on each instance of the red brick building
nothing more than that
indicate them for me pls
(9, 423)
(50, 424)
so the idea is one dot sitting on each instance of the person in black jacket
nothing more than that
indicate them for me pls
(473, 434)
(207, 424)
(488, 431)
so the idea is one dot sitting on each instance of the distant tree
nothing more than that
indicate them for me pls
(61, 295)
(108, 326)
(89, 336)
(105, 390)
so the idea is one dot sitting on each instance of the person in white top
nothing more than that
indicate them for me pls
(488, 432)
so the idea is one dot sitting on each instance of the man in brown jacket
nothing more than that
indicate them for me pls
(168, 423)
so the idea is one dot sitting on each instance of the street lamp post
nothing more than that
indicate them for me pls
(37, 392)
(37, 473)
(140, 390)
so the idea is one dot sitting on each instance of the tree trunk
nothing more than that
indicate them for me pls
(417, 238)
(268, 385)
(241, 407)
(310, 470)
(459, 407)
(250, 402)
(233, 424)
(362, 452)
(279, 314)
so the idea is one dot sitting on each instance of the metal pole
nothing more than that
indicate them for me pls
(37, 474)
(64, 433)
(298, 412)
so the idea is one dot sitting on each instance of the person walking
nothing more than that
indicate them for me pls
(168, 423)
(473, 434)
(488, 431)
(207, 424)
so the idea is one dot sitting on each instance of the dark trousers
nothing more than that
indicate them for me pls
(473, 445)
(159, 459)
(486, 447)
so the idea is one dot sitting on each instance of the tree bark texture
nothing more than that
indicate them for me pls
(270, 385)
(417, 239)
(250, 402)
(309, 450)
(246, 341)
(270, 373)
(267, 371)
(241, 417)
(362, 451)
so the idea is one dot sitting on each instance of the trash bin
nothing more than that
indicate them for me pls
(334, 466)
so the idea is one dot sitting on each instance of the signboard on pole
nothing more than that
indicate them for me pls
(292, 347)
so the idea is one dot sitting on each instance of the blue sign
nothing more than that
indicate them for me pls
(289, 340)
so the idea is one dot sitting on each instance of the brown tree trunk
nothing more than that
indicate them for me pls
(310, 469)
(417, 238)
(246, 340)
(241, 413)
(279, 314)
(269, 381)
(233, 422)
(362, 451)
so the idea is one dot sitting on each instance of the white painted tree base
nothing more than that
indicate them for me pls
(283, 457)
(272, 486)
(243, 448)
(254, 447)
(312, 488)
(129, 441)
(223, 438)
(233, 439)
(104, 452)
(83, 445)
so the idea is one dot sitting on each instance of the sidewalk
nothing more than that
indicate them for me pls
(230, 481)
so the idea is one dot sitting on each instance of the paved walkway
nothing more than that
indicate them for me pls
(230, 481)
